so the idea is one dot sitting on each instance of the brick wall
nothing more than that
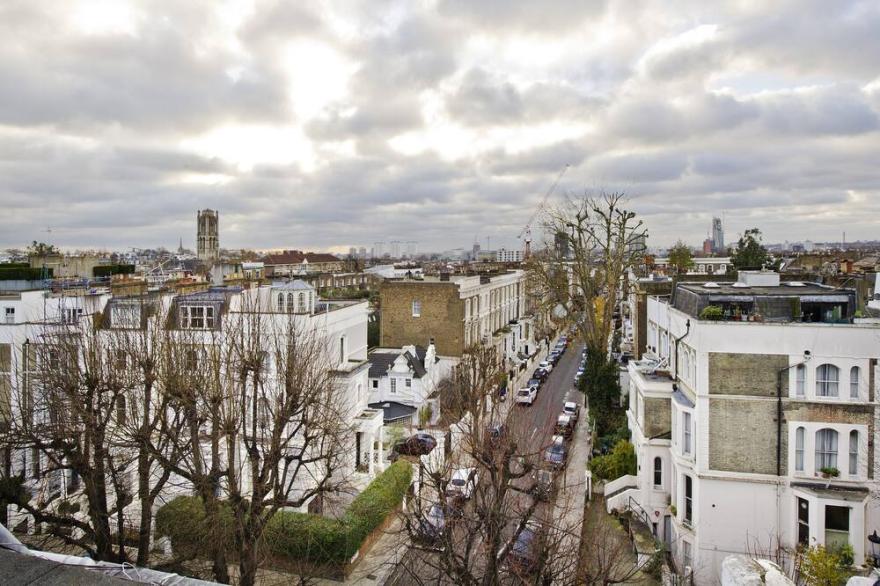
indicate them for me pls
(746, 374)
(442, 316)
(658, 416)
(742, 436)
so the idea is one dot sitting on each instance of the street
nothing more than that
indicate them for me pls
(532, 428)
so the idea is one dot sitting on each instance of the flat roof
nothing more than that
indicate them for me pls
(784, 289)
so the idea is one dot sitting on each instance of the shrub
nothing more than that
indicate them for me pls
(620, 462)
(712, 313)
(823, 567)
(184, 522)
(292, 536)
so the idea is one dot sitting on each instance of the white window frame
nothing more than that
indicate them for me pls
(206, 318)
(408, 383)
(654, 471)
(855, 378)
(800, 380)
(416, 308)
(826, 386)
(800, 436)
(853, 460)
(827, 448)
(393, 385)
(686, 433)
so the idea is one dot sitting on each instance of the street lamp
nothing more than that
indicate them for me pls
(875, 547)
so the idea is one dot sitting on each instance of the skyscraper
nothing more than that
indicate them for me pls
(208, 235)
(717, 236)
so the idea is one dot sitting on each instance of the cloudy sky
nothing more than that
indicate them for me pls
(329, 124)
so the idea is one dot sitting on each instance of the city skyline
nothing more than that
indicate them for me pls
(327, 128)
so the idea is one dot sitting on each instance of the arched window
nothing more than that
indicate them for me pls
(854, 382)
(263, 412)
(121, 412)
(800, 378)
(280, 302)
(301, 302)
(827, 378)
(799, 449)
(658, 472)
(853, 453)
(826, 449)
(290, 303)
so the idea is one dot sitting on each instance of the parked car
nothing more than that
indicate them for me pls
(543, 487)
(546, 365)
(572, 409)
(578, 375)
(417, 444)
(564, 426)
(432, 523)
(526, 396)
(534, 383)
(554, 357)
(540, 374)
(555, 454)
(525, 555)
(462, 483)
(497, 432)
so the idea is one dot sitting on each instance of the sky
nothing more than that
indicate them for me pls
(321, 125)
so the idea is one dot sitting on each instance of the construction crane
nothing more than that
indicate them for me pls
(527, 231)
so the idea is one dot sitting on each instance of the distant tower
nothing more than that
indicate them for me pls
(717, 236)
(208, 235)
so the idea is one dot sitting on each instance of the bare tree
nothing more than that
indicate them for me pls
(591, 244)
(287, 418)
(141, 412)
(188, 441)
(62, 420)
(473, 541)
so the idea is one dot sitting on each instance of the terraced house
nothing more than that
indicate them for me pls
(202, 340)
(753, 416)
(456, 311)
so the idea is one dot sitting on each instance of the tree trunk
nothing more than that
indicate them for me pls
(146, 526)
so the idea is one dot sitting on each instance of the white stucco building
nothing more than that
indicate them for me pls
(719, 471)
(403, 381)
(204, 325)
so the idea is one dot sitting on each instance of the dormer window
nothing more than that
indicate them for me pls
(197, 317)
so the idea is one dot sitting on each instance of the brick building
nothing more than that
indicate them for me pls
(297, 262)
(457, 311)
(719, 471)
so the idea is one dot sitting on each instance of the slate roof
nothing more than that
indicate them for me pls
(380, 362)
(393, 411)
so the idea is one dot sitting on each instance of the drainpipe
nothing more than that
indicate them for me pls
(779, 374)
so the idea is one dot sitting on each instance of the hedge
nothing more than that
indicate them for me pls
(290, 536)
(109, 270)
(19, 273)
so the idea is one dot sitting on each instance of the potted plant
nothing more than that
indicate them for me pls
(829, 472)
(673, 510)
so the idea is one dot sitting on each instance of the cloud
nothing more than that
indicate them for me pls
(326, 124)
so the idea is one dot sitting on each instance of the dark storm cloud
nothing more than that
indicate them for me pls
(433, 124)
